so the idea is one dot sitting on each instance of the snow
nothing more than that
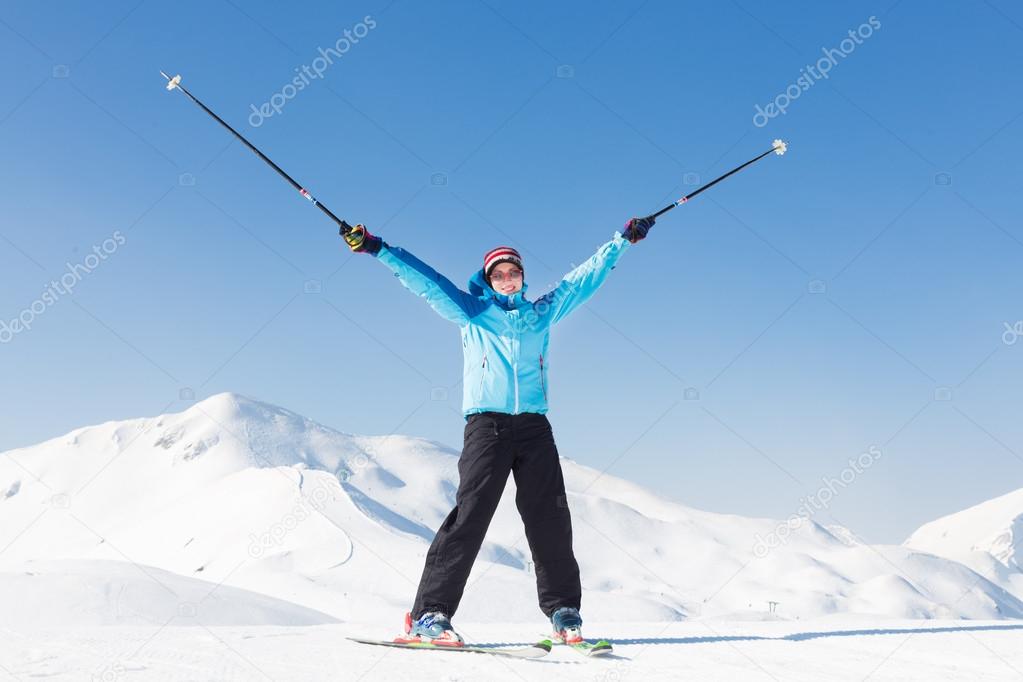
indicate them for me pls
(994, 527)
(987, 537)
(834, 649)
(92, 593)
(240, 539)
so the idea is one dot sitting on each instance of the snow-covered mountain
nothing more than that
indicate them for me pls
(987, 537)
(252, 496)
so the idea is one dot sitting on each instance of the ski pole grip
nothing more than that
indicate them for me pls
(345, 228)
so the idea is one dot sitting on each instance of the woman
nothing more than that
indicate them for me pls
(504, 401)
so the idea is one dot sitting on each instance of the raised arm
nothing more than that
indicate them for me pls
(579, 285)
(443, 296)
(448, 300)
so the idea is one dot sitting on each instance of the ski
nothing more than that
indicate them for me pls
(600, 647)
(538, 650)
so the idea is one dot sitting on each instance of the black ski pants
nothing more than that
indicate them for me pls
(497, 444)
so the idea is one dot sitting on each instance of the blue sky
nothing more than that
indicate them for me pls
(852, 294)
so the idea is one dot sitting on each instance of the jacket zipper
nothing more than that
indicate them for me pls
(542, 385)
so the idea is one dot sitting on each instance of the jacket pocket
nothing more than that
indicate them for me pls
(478, 422)
(483, 376)
(543, 384)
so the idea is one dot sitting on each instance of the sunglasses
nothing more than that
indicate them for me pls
(500, 277)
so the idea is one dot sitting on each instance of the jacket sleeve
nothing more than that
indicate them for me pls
(449, 301)
(581, 283)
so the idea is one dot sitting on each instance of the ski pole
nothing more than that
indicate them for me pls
(175, 83)
(778, 147)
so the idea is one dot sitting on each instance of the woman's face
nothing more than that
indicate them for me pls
(506, 278)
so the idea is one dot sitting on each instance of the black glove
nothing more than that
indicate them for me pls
(637, 228)
(360, 240)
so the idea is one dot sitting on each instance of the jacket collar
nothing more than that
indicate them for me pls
(481, 289)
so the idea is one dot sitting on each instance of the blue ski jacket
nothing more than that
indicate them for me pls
(504, 337)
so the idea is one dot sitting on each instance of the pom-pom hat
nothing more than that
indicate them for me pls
(502, 254)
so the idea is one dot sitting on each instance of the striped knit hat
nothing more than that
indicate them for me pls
(502, 254)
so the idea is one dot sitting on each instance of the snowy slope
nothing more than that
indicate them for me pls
(91, 593)
(237, 491)
(835, 649)
(987, 537)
